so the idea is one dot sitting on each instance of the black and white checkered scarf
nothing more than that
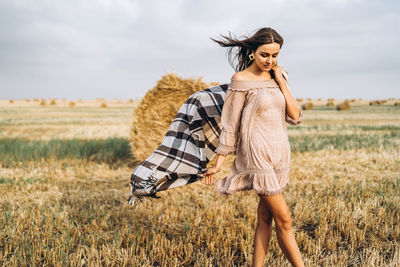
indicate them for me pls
(187, 147)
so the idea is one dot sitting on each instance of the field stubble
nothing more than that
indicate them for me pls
(344, 206)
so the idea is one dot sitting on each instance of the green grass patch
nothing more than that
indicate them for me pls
(31, 180)
(373, 142)
(117, 150)
(110, 150)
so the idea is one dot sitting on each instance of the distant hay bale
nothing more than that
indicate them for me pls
(71, 103)
(36, 100)
(157, 109)
(373, 103)
(344, 105)
(377, 102)
(319, 99)
(27, 100)
(331, 99)
(299, 99)
(309, 99)
(43, 102)
(353, 100)
(308, 105)
(103, 105)
(11, 101)
(53, 102)
(330, 103)
(130, 100)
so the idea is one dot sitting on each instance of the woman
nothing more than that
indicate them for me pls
(257, 105)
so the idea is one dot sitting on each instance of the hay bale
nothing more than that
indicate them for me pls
(299, 99)
(373, 103)
(308, 105)
(344, 105)
(157, 109)
(103, 105)
(330, 103)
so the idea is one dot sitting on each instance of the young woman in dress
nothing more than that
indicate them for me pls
(257, 104)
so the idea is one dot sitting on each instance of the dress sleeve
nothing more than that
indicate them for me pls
(230, 121)
(288, 119)
(292, 121)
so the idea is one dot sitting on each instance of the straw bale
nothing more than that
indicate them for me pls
(157, 109)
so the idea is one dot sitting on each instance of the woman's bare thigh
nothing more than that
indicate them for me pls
(276, 204)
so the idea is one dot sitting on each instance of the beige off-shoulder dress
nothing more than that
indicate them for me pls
(253, 127)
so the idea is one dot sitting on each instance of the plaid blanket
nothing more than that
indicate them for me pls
(187, 147)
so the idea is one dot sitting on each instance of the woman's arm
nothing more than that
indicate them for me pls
(220, 161)
(292, 107)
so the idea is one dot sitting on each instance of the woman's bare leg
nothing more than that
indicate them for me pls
(262, 235)
(276, 204)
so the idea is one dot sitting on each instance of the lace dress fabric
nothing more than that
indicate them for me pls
(254, 128)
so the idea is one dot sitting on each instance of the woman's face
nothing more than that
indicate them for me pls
(266, 56)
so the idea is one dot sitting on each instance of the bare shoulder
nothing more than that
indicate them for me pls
(240, 76)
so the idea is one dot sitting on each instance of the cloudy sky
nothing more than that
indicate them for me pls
(119, 49)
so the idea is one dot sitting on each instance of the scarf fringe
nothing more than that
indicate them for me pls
(133, 199)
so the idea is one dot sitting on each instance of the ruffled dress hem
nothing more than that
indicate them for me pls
(261, 182)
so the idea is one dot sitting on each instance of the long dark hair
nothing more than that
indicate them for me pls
(248, 45)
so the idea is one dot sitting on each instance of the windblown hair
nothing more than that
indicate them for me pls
(248, 45)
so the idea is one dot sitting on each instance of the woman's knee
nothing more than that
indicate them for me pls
(279, 210)
(283, 221)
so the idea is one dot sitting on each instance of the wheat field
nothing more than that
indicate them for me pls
(64, 178)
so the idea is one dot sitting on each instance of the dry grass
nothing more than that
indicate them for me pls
(344, 204)
(85, 120)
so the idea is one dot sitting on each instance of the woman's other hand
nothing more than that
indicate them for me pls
(208, 175)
